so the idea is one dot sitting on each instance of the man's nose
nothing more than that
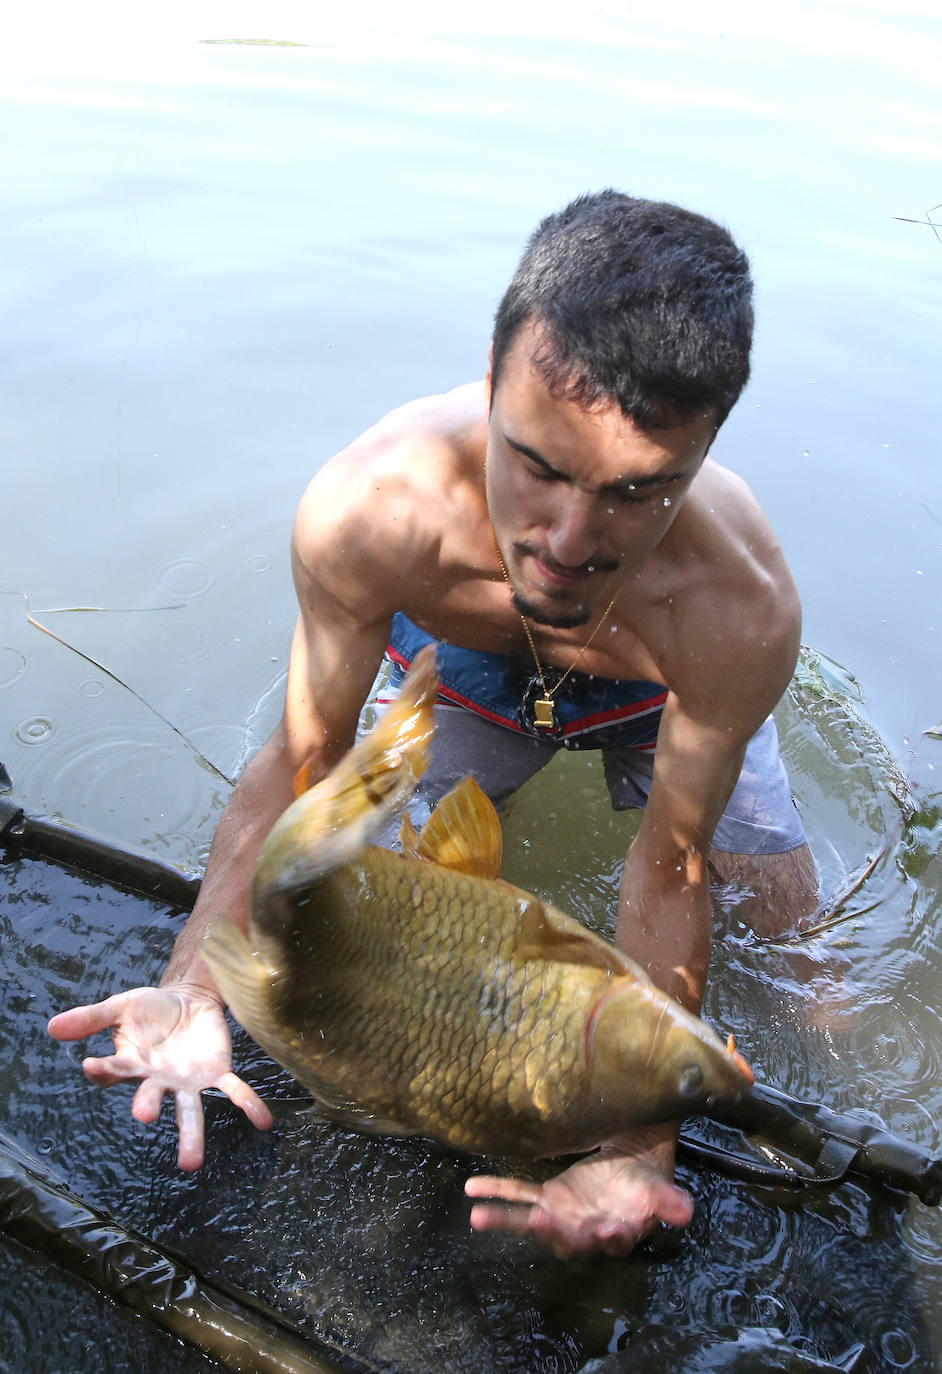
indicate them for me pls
(573, 535)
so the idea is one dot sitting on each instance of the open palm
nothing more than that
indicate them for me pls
(607, 1201)
(174, 1040)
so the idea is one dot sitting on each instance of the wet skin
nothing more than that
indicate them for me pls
(579, 500)
(585, 506)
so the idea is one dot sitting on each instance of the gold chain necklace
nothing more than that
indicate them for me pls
(544, 717)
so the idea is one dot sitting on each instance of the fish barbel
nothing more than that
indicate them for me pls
(418, 993)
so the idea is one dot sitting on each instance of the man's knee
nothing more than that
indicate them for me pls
(780, 892)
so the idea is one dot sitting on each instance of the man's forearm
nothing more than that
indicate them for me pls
(665, 925)
(664, 920)
(263, 791)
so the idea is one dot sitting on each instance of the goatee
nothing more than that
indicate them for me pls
(555, 621)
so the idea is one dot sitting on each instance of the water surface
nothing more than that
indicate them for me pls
(226, 260)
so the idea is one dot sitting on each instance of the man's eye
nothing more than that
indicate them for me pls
(541, 474)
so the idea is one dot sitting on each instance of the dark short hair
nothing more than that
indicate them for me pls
(641, 302)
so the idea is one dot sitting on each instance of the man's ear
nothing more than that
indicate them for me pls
(488, 396)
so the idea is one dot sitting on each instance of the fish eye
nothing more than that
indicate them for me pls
(690, 1080)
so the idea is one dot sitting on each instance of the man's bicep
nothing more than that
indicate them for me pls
(334, 660)
(340, 564)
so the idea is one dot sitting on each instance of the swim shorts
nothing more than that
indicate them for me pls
(478, 730)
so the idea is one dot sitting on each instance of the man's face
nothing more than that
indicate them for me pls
(578, 498)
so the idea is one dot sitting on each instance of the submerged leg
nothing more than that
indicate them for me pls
(780, 892)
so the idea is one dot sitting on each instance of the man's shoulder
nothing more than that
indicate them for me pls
(423, 441)
(737, 617)
(725, 535)
(382, 503)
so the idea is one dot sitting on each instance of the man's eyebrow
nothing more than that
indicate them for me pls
(619, 484)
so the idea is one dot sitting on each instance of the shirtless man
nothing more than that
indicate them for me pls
(561, 518)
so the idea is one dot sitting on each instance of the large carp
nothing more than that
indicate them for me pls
(416, 992)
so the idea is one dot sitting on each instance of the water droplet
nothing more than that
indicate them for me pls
(46, 1146)
(186, 577)
(258, 563)
(898, 1350)
(35, 730)
(667, 501)
(12, 666)
(770, 1311)
(92, 687)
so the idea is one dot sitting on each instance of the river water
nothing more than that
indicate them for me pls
(224, 259)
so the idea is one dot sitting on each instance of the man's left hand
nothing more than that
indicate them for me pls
(607, 1201)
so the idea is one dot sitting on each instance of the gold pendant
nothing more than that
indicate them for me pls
(543, 717)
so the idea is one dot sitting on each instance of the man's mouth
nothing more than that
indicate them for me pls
(554, 574)
(560, 577)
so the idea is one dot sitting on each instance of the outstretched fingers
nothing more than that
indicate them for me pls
(190, 1129)
(174, 1040)
(191, 1122)
(113, 1068)
(619, 1207)
(147, 1100)
(80, 1022)
(510, 1189)
(520, 1211)
(244, 1097)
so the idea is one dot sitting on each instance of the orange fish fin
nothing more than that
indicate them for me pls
(463, 833)
(546, 933)
(303, 778)
(408, 839)
(337, 817)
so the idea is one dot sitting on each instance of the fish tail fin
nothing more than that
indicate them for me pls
(338, 816)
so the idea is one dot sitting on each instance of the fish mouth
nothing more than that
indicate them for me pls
(740, 1063)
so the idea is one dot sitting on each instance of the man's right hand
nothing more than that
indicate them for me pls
(174, 1039)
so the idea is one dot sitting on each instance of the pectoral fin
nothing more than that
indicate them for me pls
(245, 980)
(358, 1119)
(463, 833)
(408, 839)
(547, 933)
(240, 972)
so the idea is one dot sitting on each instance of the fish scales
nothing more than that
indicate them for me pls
(418, 993)
(393, 963)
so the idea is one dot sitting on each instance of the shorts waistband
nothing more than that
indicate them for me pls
(591, 711)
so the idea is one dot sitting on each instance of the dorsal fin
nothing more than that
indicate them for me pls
(547, 933)
(463, 833)
(338, 816)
